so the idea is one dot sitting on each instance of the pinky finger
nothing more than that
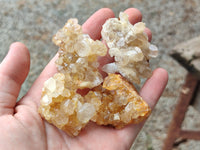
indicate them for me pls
(154, 87)
(149, 34)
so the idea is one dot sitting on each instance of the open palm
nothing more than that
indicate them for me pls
(21, 127)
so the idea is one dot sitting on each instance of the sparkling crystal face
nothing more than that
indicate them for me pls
(110, 101)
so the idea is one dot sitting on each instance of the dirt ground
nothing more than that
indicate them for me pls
(34, 23)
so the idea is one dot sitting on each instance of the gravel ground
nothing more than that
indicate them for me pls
(34, 23)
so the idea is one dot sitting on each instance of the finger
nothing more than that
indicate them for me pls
(154, 87)
(150, 92)
(134, 15)
(149, 34)
(13, 71)
(93, 25)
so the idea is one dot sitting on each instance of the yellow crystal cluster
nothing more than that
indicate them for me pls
(129, 46)
(120, 103)
(77, 65)
(110, 101)
(78, 55)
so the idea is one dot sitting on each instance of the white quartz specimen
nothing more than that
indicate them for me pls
(129, 46)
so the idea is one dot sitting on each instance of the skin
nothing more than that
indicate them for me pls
(21, 126)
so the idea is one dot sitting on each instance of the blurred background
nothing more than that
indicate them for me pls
(34, 23)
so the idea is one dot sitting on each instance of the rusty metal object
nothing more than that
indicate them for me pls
(188, 55)
(185, 98)
(193, 135)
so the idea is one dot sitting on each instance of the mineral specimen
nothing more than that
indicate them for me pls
(130, 47)
(77, 65)
(110, 101)
(120, 103)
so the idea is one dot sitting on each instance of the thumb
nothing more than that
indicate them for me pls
(13, 71)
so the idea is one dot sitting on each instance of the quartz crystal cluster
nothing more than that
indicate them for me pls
(129, 46)
(110, 101)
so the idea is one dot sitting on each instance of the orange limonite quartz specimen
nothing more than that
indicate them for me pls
(110, 101)
(120, 103)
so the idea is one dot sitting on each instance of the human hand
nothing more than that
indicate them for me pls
(21, 126)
